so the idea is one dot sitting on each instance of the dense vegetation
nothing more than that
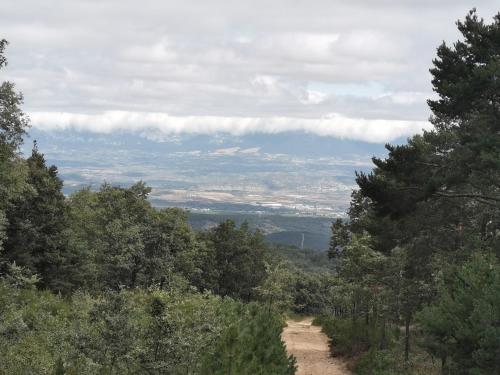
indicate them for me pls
(101, 282)
(418, 260)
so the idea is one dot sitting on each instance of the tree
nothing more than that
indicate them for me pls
(340, 238)
(114, 334)
(122, 241)
(239, 259)
(251, 346)
(276, 290)
(37, 223)
(13, 125)
(3, 235)
(438, 195)
(3, 59)
(460, 158)
(13, 122)
(462, 325)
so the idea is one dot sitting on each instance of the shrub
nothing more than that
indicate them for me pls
(377, 362)
(350, 337)
(251, 346)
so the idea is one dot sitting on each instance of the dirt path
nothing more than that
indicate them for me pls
(310, 346)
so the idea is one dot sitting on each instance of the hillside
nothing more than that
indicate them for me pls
(306, 232)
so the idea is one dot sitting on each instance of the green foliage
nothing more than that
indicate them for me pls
(276, 290)
(377, 362)
(424, 207)
(127, 332)
(3, 225)
(122, 241)
(136, 282)
(19, 277)
(350, 337)
(36, 223)
(239, 256)
(122, 332)
(13, 122)
(462, 325)
(298, 281)
(340, 238)
(313, 293)
(3, 59)
(198, 264)
(13, 125)
(310, 261)
(251, 346)
(362, 341)
(287, 230)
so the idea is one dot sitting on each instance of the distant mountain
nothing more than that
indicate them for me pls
(301, 240)
(284, 230)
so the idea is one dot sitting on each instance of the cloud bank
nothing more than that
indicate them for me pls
(160, 125)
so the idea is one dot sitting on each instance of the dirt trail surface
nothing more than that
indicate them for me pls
(310, 346)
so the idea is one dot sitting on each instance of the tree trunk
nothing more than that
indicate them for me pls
(443, 365)
(383, 339)
(407, 339)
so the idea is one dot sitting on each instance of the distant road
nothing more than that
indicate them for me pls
(310, 346)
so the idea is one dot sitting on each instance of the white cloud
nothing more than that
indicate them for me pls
(229, 151)
(408, 98)
(255, 65)
(296, 46)
(251, 151)
(313, 97)
(333, 125)
(160, 52)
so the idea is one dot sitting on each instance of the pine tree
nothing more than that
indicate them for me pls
(340, 238)
(13, 125)
(37, 223)
(462, 325)
(253, 346)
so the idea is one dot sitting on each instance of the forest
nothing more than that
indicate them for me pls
(102, 282)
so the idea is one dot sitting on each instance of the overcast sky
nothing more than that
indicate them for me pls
(353, 69)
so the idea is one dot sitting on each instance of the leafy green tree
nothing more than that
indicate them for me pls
(114, 335)
(276, 290)
(182, 329)
(313, 292)
(122, 241)
(121, 332)
(239, 259)
(198, 264)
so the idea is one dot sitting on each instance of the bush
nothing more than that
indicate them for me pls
(139, 331)
(462, 326)
(377, 362)
(350, 337)
(252, 346)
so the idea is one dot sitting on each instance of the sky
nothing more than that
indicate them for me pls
(354, 70)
